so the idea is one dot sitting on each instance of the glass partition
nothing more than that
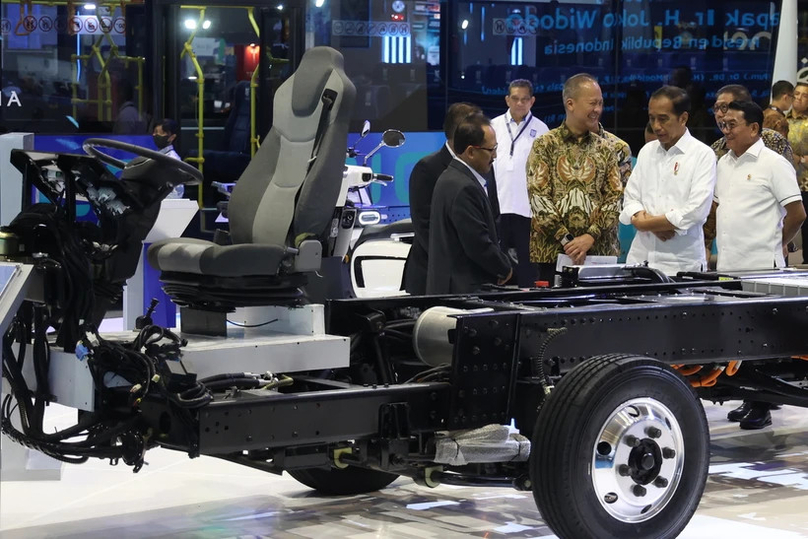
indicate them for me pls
(72, 67)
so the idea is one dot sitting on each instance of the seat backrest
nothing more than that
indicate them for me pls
(280, 199)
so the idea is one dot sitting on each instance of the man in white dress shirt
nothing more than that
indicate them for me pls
(759, 209)
(516, 130)
(759, 206)
(670, 191)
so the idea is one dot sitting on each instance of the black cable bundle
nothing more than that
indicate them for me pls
(100, 438)
(145, 363)
(43, 228)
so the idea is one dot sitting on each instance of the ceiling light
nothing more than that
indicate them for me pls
(190, 24)
(89, 7)
(464, 24)
(206, 25)
(319, 3)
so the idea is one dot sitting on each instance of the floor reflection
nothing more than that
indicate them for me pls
(758, 485)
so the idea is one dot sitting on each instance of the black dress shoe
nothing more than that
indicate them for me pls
(740, 412)
(757, 418)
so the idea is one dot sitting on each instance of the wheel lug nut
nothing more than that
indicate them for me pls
(653, 432)
(668, 453)
(638, 490)
(660, 482)
(632, 441)
(624, 470)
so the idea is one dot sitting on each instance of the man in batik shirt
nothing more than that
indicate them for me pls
(621, 148)
(573, 182)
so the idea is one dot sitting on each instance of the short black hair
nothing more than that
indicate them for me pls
(678, 97)
(456, 114)
(470, 132)
(169, 126)
(781, 88)
(739, 92)
(752, 112)
(521, 83)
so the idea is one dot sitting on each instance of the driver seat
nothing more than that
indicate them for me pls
(282, 206)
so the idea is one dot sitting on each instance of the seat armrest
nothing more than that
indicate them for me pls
(309, 256)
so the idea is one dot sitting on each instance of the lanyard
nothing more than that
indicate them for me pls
(514, 139)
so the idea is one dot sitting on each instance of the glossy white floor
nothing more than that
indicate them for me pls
(758, 487)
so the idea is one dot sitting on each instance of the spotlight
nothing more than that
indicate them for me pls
(89, 7)
(190, 24)
(206, 25)
(465, 24)
(319, 3)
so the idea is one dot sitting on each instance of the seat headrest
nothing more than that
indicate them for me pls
(310, 78)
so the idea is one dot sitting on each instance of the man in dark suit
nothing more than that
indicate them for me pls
(422, 184)
(464, 251)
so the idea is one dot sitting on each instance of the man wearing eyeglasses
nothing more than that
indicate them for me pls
(516, 130)
(573, 182)
(758, 211)
(771, 139)
(670, 190)
(423, 178)
(464, 252)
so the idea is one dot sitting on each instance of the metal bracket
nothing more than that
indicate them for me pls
(338, 453)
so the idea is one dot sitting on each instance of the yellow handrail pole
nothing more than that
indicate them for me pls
(200, 89)
(113, 53)
(74, 85)
(96, 51)
(254, 142)
(17, 31)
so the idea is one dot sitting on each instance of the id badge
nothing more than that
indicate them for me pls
(509, 164)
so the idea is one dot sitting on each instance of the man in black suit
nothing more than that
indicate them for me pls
(464, 251)
(422, 184)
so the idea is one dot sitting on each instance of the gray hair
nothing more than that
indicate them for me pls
(574, 83)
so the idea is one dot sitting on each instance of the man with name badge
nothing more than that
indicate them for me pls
(516, 130)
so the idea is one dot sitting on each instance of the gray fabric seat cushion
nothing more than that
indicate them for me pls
(188, 255)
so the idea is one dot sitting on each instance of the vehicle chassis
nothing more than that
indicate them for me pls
(724, 342)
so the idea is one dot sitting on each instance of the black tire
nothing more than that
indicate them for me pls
(343, 482)
(574, 460)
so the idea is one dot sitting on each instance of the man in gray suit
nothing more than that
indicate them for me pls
(464, 251)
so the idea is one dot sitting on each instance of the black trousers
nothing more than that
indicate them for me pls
(515, 234)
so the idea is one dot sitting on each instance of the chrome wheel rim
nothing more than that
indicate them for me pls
(638, 459)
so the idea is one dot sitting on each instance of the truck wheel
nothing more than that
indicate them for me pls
(620, 449)
(345, 481)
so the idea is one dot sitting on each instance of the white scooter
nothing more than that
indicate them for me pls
(376, 252)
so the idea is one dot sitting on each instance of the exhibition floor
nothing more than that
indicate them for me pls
(758, 487)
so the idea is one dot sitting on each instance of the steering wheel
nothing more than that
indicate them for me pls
(91, 146)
